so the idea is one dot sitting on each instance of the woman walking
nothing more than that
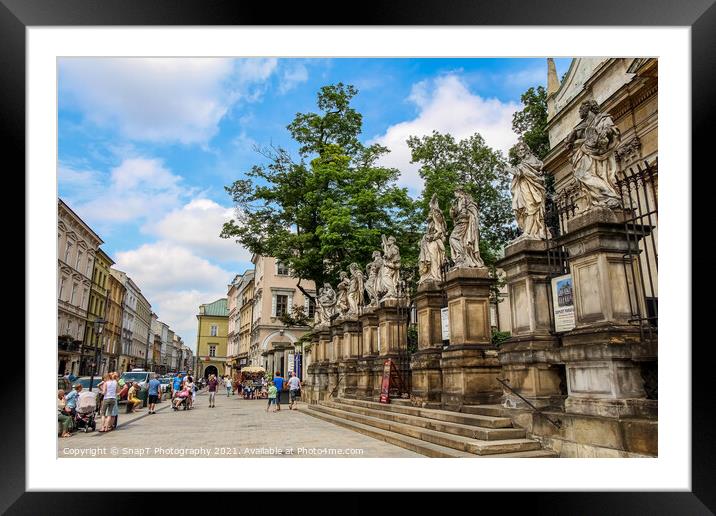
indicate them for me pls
(192, 390)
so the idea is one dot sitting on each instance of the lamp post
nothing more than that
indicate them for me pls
(98, 327)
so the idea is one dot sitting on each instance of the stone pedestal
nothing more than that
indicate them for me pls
(367, 388)
(603, 353)
(426, 375)
(529, 358)
(469, 364)
(324, 344)
(352, 336)
(392, 342)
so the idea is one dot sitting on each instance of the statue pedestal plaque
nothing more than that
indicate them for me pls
(469, 364)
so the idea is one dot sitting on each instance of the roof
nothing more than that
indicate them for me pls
(218, 308)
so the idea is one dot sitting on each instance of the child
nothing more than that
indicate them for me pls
(272, 393)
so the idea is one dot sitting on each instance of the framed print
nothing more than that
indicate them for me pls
(254, 215)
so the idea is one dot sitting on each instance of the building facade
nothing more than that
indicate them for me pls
(276, 294)
(76, 248)
(232, 339)
(212, 336)
(113, 326)
(246, 313)
(97, 345)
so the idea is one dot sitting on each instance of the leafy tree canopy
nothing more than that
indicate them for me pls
(530, 123)
(328, 207)
(446, 164)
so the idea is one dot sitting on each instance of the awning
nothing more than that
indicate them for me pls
(253, 369)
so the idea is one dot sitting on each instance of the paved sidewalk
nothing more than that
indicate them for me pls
(234, 428)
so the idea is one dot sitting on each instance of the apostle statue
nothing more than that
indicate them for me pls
(465, 236)
(372, 284)
(342, 294)
(355, 290)
(432, 245)
(528, 194)
(390, 271)
(593, 160)
(326, 305)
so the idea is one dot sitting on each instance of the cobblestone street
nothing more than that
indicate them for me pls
(235, 428)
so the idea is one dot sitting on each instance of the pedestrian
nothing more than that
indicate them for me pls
(294, 390)
(71, 399)
(227, 384)
(63, 419)
(189, 384)
(176, 385)
(278, 382)
(213, 382)
(272, 396)
(133, 401)
(109, 401)
(153, 392)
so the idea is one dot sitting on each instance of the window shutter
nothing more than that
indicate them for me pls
(306, 305)
(289, 308)
(273, 305)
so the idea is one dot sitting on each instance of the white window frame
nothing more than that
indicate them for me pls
(214, 330)
(279, 263)
(212, 350)
(79, 259)
(72, 295)
(68, 250)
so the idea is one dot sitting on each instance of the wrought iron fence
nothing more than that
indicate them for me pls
(638, 188)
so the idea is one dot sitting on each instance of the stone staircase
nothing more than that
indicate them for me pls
(483, 432)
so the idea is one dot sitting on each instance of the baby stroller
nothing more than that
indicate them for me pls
(183, 400)
(85, 411)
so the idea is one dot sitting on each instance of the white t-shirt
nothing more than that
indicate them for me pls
(227, 382)
(294, 383)
(110, 389)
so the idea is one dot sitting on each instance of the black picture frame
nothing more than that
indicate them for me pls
(699, 15)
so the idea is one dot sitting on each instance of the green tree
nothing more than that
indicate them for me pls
(446, 164)
(530, 123)
(328, 207)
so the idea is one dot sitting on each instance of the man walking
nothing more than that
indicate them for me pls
(278, 382)
(213, 382)
(227, 384)
(294, 390)
(153, 392)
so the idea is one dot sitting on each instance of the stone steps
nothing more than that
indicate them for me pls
(483, 410)
(487, 421)
(346, 413)
(473, 430)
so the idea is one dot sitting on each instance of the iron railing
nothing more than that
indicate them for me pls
(556, 422)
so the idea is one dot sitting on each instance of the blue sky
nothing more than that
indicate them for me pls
(146, 146)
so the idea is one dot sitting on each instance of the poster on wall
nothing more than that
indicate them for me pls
(445, 323)
(289, 363)
(563, 303)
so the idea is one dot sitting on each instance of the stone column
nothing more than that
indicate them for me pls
(393, 342)
(324, 342)
(530, 357)
(425, 369)
(352, 336)
(366, 381)
(603, 352)
(470, 364)
(311, 380)
(335, 368)
(270, 361)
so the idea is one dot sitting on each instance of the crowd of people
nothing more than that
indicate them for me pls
(183, 390)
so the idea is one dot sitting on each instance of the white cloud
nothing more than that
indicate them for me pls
(196, 226)
(445, 104)
(292, 77)
(137, 188)
(161, 99)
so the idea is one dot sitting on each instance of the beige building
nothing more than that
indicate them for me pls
(113, 327)
(76, 248)
(246, 314)
(240, 304)
(275, 294)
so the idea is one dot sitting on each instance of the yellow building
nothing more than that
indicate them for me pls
(212, 332)
(97, 310)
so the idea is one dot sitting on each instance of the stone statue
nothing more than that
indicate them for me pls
(593, 159)
(465, 236)
(432, 245)
(372, 283)
(342, 295)
(528, 194)
(390, 271)
(326, 305)
(355, 290)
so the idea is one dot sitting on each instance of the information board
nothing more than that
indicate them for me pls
(563, 303)
(445, 323)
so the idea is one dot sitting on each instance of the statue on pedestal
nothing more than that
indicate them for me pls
(326, 305)
(432, 245)
(355, 290)
(528, 194)
(593, 159)
(390, 271)
(372, 285)
(465, 236)
(342, 294)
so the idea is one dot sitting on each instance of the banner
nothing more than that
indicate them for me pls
(563, 303)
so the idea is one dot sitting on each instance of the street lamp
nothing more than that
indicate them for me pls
(98, 327)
